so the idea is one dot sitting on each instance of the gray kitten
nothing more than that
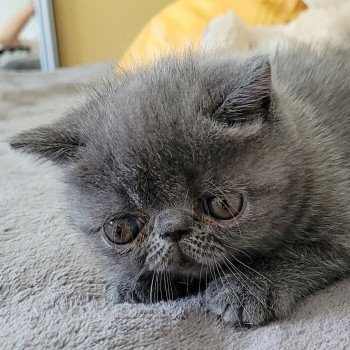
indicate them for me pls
(228, 176)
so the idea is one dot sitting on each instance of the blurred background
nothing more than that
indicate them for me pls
(63, 33)
(9, 8)
(18, 35)
(72, 32)
(90, 31)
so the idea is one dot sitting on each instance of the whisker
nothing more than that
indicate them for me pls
(216, 283)
(171, 286)
(233, 290)
(166, 286)
(206, 286)
(167, 295)
(187, 282)
(238, 250)
(250, 268)
(161, 286)
(157, 287)
(213, 277)
(226, 292)
(222, 320)
(151, 289)
(239, 275)
(200, 279)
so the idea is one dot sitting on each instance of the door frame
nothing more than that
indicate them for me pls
(48, 49)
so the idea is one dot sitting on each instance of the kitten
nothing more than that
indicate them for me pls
(224, 175)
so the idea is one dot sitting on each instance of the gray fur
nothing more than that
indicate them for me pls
(156, 141)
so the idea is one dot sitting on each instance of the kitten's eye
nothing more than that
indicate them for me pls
(123, 230)
(224, 208)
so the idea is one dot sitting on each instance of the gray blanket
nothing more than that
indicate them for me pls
(51, 283)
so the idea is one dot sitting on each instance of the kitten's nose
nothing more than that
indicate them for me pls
(172, 224)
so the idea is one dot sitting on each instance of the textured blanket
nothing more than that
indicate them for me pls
(51, 283)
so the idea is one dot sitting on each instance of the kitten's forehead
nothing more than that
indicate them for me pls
(154, 132)
(170, 163)
(175, 89)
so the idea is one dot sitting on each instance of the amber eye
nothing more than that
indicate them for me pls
(224, 208)
(123, 230)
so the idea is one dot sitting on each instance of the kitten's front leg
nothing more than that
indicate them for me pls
(269, 291)
(126, 291)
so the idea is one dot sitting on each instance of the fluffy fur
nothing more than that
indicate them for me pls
(156, 141)
(322, 23)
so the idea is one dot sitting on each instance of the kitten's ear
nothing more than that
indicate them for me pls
(249, 100)
(57, 143)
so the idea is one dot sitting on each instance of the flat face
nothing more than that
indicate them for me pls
(194, 154)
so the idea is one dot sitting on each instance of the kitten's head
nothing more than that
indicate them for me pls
(178, 166)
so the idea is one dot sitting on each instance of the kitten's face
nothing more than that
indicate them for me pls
(177, 167)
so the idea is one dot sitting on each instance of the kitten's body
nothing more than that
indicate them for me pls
(156, 142)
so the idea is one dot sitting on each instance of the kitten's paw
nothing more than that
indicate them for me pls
(117, 293)
(241, 303)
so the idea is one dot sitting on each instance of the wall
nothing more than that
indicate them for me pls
(99, 30)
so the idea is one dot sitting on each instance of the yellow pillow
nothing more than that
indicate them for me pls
(181, 24)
